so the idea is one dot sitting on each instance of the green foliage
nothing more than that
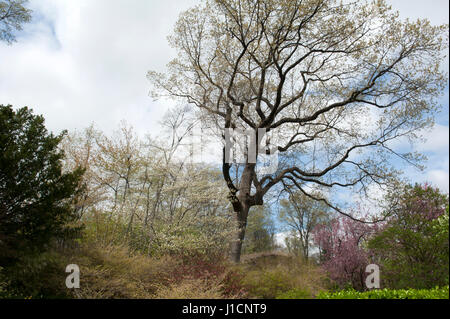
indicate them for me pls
(435, 293)
(268, 283)
(202, 235)
(296, 293)
(413, 247)
(35, 196)
(4, 282)
(273, 276)
(36, 276)
(12, 15)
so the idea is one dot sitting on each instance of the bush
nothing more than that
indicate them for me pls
(413, 247)
(191, 289)
(436, 293)
(115, 272)
(201, 236)
(273, 276)
(215, 268)
(4, 283)
(35, 276)
(268, 283)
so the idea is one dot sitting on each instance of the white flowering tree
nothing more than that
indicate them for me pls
(336, 82)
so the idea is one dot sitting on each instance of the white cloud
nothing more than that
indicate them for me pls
(436, 147)
(437, 140)
(86, 61)
(439, 178)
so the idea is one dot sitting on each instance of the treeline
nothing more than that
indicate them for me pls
(148, 193)
(142, 221)
(409, 244)
(103, 194)
(136, 191)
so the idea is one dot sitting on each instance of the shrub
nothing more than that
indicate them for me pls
(194, 236)
(35, 276)
(267, 283)
(4, 285)
(435, 293)
(210, 268)
(191, 289)
(272, 275)
(115, 272)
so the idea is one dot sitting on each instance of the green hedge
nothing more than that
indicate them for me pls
(436, 293)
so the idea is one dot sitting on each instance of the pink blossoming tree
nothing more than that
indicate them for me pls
(342, 250)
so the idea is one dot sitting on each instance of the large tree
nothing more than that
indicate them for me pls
(333, 84)
(13, 14)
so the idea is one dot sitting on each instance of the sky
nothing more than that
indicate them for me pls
(85, 61)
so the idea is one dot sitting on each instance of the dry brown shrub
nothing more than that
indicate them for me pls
(114, 272)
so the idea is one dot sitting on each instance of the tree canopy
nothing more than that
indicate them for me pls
(13, 14)
(331, 84)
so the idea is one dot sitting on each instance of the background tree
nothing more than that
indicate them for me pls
(260, 231)
(142, 192)
(301, 214)
(343, 252)
(13, 14)
(412, 247)
(80, 150)
(332, 83)
(35, 196)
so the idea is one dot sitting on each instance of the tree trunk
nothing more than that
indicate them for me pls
(236, 245)
(241, 206)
